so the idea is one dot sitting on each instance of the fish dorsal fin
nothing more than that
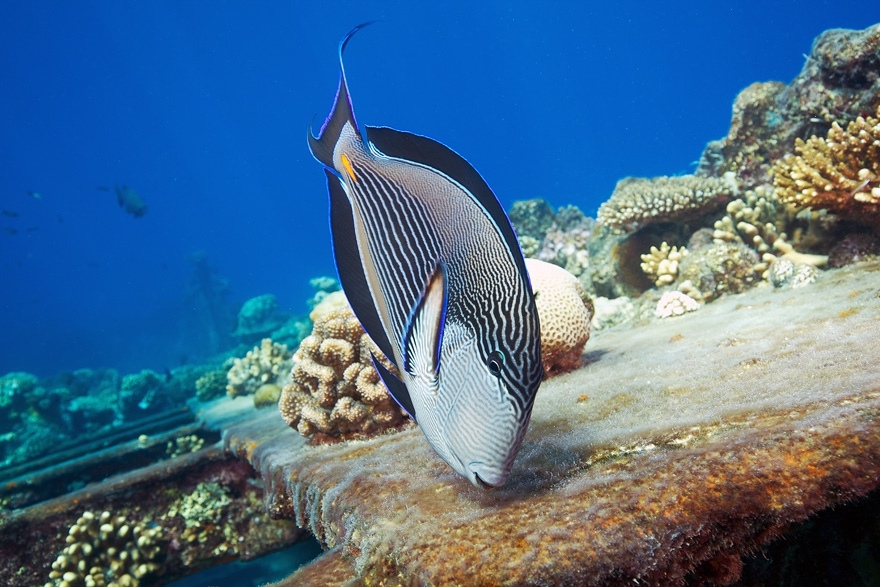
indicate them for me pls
(350, 266)
(396, 388)
(424, 332)
(322, 145)
(428, 152)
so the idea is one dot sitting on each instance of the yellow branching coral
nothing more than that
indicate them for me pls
(335, 391)
(637, 202)
(267, 363)
(661, 265)
(103, 550)
(839, 173)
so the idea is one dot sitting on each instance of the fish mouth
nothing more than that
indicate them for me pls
(486, 481)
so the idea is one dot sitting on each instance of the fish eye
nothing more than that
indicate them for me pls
(495, 362)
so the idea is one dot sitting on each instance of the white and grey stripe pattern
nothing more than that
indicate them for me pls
(411, 234)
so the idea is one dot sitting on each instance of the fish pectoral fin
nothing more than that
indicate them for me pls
(396, 387)
(424, 332)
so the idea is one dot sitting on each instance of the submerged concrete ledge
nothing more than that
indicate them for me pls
(679, 446)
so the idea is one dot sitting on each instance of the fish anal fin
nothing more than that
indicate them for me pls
(424, 333)
(396, 387)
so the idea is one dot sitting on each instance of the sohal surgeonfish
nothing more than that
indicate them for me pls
(433, 271)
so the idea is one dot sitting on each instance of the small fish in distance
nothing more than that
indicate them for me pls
(433, 270)
(131, 201)
(35, 195)
(9, 213)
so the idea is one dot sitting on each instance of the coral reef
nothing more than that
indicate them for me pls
(717, 269)
(839, 173)
(559, 237)
(661, 265)
(335, 392)
(675, 303)
(532, 218)
(611, 312)
(103, 550)
(638, 202)
(258, 317)
(267, 363)
(182, 445)
(323, 286)
(141, 391)
(686, 444)
(629, 475)
(839, 81)
(784, 272)
(564, 311)
(213, 384)
(329, 303)
(853, 248)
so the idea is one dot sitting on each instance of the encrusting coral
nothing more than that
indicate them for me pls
(638, 202)
(564, 311)
(106, 551)
(267, 363)
(661, 265)
(839, 173)
(335, 392)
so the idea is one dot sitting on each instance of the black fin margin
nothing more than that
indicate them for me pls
(419, 149)
(349, 266)
(396, 388)
(322, 145)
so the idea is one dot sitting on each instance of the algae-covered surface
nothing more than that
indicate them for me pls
(680, 445)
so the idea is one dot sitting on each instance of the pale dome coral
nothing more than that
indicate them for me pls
(565, 312)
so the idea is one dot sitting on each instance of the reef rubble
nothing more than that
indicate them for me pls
(682, 445)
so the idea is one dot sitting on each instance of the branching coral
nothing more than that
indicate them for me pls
(565, 312)
(638, 202)
(267, 363)
(106, 551)
(335, 391)
(661, 265)
(839, 173)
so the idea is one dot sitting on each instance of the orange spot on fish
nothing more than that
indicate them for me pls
(347, 164)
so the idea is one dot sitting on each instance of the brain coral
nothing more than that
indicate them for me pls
(840, 173)
(267, 363)
(335, 392)
(564, 311)
(637, 202)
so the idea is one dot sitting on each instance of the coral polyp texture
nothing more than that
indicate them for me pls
(269, 362)
(106, 551)
(565, 312)
(638, 202)
(839, 173)
(335, 392)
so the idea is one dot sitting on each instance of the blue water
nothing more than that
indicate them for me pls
(202, 109)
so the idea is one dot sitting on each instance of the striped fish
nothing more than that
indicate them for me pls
(433, 271)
